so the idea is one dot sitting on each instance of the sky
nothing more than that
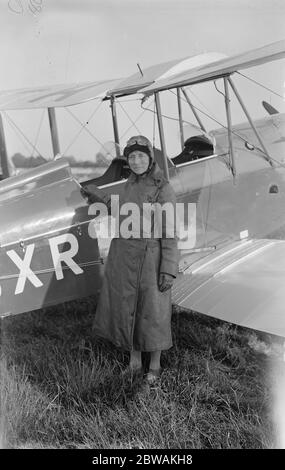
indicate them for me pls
(66, 41)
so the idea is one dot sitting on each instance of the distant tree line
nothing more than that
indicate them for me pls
(21, 161)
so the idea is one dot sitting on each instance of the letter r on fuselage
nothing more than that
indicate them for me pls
(65, 256)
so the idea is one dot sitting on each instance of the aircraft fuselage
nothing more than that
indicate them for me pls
(47, 255)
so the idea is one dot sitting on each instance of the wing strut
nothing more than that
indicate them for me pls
(229, 126)
(180, 118)
(267, 156)
(161, 135)
(3, 151)
(193, 110)
(115, 125)
(53, 131)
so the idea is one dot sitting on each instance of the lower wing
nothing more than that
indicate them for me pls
(243, 283)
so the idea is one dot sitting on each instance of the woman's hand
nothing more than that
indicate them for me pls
(165, 282)
(84, 193)
(87, 194)
(92, 194)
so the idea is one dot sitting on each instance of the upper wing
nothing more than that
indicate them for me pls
(136, 82)
(54, 96)
(223, 67)
(175, 73)
(242, 284)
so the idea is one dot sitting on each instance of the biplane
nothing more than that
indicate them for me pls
(235, 175)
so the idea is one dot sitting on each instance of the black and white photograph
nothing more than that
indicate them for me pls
(142, 227)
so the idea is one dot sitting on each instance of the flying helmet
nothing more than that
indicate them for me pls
(140, 142)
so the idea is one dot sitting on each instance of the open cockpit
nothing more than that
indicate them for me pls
(195, 148)
(119, 170)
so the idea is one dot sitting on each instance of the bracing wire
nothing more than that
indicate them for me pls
(234, 133)
(261, 85)
(133, 122)
(83, 126)
(136, 120)
(14, 129)
(25, 138)
(202, 104)
(86, 129)
(39, 129)
(165, 115)
(215, 120)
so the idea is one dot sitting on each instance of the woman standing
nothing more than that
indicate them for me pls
(134, 308)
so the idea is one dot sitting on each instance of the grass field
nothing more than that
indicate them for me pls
(61, 387)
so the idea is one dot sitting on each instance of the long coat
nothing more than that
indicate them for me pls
(132, 313)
